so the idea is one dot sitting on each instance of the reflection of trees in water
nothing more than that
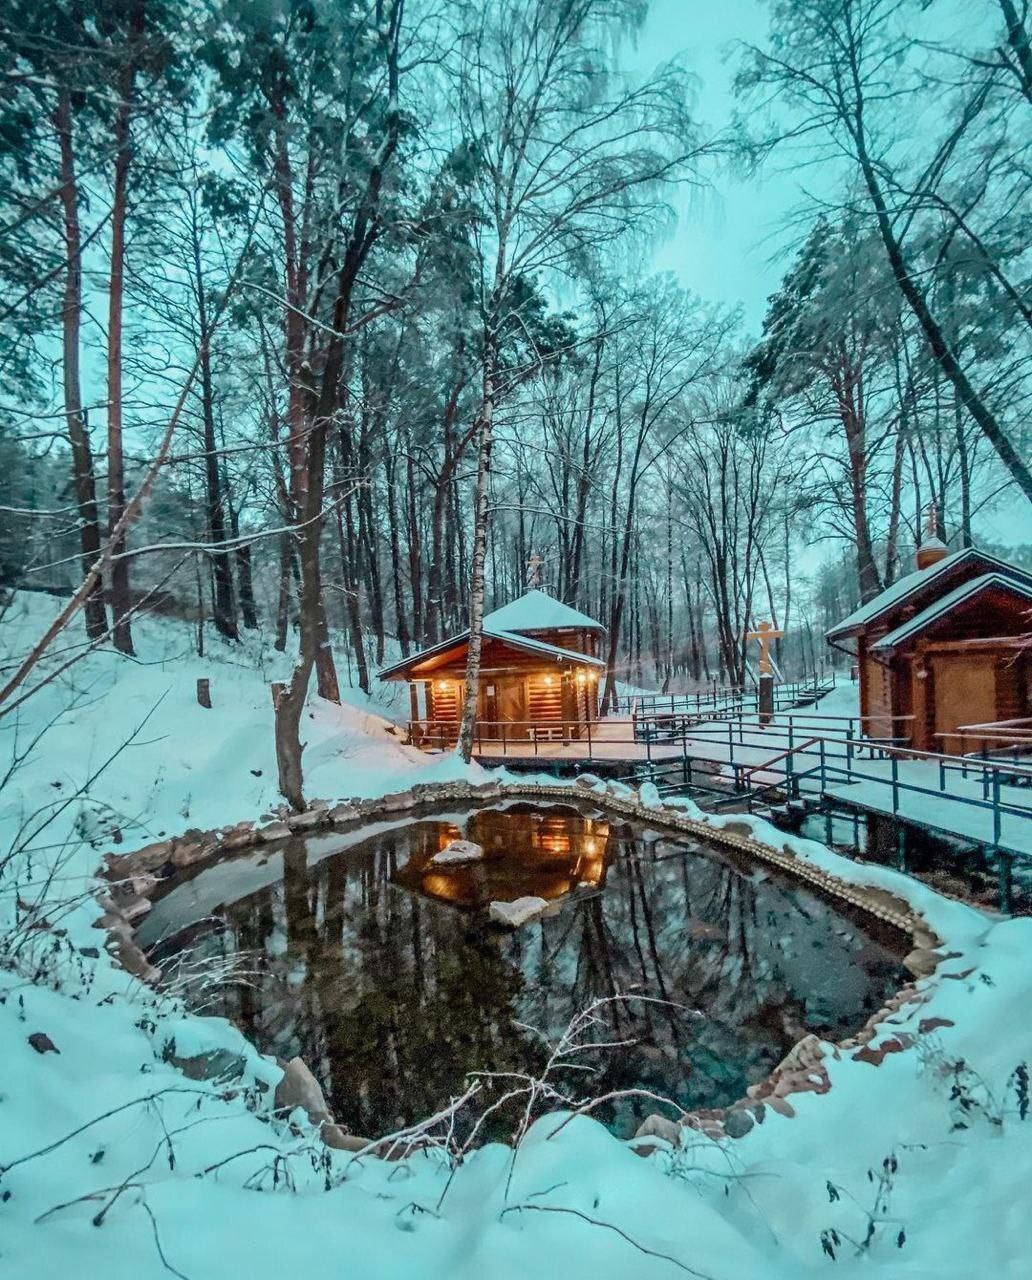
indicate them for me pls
(392, 998)
(390, 1001)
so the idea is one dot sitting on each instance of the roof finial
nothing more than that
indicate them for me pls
(932, 520)
(932, 548)
(534, 571)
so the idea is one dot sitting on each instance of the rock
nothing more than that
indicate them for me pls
(299, 1088)
(341, 813)
(927, 1025)
(273, 831)
(738, 1123)
(150, 858)
(136, 907)
(188, 853)
(42, 1043)
(116, 925)
(135, 963)
(486, 790)
(307, 820)
(921, 962)
(656, 1126)
(216, 1064)
(242, 836)
(396, 800)
(519, 912)
(133, 886)
(736, 828)
(876, 1055)
(457, 853)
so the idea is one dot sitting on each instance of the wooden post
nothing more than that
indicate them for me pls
(766, 700)
(204, 692)
(1004, 864)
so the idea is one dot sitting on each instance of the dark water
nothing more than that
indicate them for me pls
(952, 865)
(376, 967)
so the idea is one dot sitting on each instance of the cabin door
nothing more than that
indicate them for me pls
(965, 693)
(444, 711)
(545, 699)
(490, 727)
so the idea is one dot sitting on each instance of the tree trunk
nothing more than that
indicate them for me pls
(224, 612)
(289, 699)
(283, 597)
(400, 619)
(120, 602)
(941, 351)
(71, 317)
(481, 519)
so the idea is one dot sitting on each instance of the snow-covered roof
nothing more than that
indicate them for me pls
(939, 608)
(916, 582)
(528, 643)
(538, 611)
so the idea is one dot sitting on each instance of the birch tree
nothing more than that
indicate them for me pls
(569, 159)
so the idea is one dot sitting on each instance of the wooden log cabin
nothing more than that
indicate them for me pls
(539, 674)
(944, 648)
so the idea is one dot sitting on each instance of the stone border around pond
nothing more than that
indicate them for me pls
(132, 878)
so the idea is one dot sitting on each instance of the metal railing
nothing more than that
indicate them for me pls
(723, 699)
(808, 755)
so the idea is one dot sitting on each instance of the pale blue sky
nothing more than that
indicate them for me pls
(727, 234)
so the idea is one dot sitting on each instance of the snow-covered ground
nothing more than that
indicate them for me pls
(114, 1164)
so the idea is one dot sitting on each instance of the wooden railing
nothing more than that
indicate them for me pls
(514, 736)
(995, 739)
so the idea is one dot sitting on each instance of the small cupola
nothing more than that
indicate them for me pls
(932, 549)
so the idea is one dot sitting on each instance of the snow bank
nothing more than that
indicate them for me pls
(115, 1163)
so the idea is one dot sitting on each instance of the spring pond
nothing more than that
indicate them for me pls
(382, 971)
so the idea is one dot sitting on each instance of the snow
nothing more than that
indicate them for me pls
(913, 582)
(114, 1163)
(913, 626)
(457, 853)
(518, 912)
(538, 611)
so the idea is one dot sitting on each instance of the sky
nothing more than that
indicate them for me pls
(732, 242)
(725, 246)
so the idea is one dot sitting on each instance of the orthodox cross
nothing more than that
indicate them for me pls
(534, 570)
(932, 520)
(765, 633)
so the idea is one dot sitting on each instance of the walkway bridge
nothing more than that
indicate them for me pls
(800, 763)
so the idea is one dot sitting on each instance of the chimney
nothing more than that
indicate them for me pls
(932, 548)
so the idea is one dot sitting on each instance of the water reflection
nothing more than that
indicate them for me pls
(527, 852)
(375, 973)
